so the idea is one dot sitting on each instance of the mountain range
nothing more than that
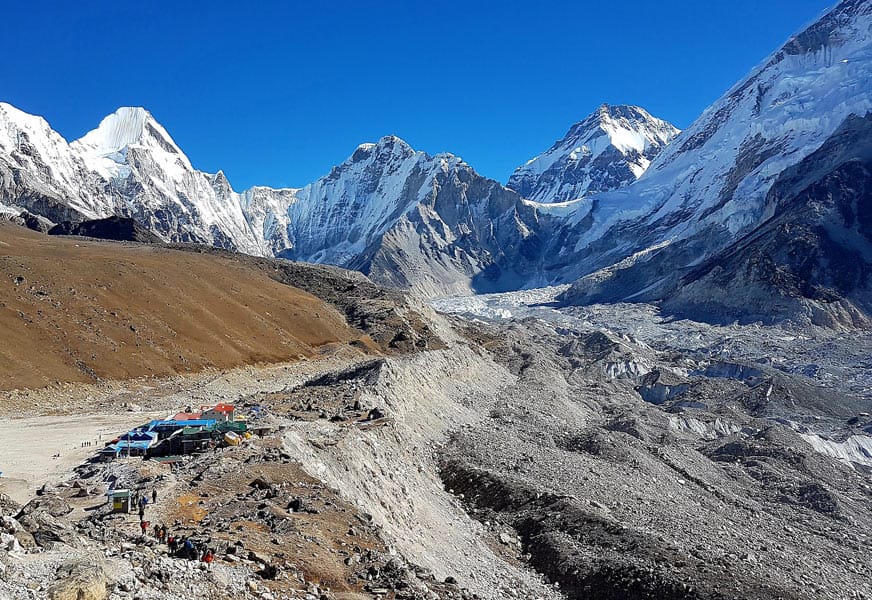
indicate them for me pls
(760, 210)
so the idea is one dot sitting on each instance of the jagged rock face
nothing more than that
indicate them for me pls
(447, 244)
(713, 185)
(606, 151)
(429, 223)
(336, 218)
(813, 258)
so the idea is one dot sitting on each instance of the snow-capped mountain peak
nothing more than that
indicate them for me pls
(713, 195)
(632, 128)
(104, 149)
(609, 149)
(25, 135)
(41, 167)
(388, 147)
(15, 121)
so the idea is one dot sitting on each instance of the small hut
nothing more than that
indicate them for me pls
(120, 500)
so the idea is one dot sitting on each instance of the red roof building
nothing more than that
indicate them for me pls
(219, 412)
(187, 416)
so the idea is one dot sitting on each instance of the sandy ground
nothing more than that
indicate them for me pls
(29, 446)
(57, 421)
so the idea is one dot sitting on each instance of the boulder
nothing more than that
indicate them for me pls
(80, 581)
(84, 492)
(48, 503)
(299, 505)
(268, 572)
(25, 539)
(256, 557)
(9, 543)
(46, 488)
(261, 483)
(375, 413)
(48, 531)
(8, 506)
(48, 537)
(10, 524)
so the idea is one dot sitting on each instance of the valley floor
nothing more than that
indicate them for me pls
(373, 521)
(595, 453)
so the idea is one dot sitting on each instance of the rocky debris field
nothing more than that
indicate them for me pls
(631, 467)
(277, 530)
(544, 455)
(276, 533)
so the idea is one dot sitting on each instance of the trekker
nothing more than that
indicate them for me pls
(208, 557)
(153, 496)
(156, 531)
(143, 525)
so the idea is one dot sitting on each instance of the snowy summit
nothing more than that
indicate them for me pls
(608, 150)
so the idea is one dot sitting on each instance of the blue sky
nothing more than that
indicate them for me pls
(278, 93)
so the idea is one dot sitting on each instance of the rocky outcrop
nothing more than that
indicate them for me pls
(117, 228)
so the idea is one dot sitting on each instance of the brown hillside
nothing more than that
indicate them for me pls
(79, 310)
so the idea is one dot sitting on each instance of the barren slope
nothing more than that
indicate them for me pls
(78, 310)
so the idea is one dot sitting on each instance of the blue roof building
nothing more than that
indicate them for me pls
(133, 443)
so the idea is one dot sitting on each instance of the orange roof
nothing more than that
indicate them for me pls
(186, 416)
(222, 408)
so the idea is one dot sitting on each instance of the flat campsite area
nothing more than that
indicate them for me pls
(29, 446)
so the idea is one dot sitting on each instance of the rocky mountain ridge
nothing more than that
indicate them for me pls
(716, 184)
(371, 212)
(433, 225)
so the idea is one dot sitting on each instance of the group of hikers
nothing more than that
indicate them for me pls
(185, 547)
(181, 547)
(160, 533)
(142, 501)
